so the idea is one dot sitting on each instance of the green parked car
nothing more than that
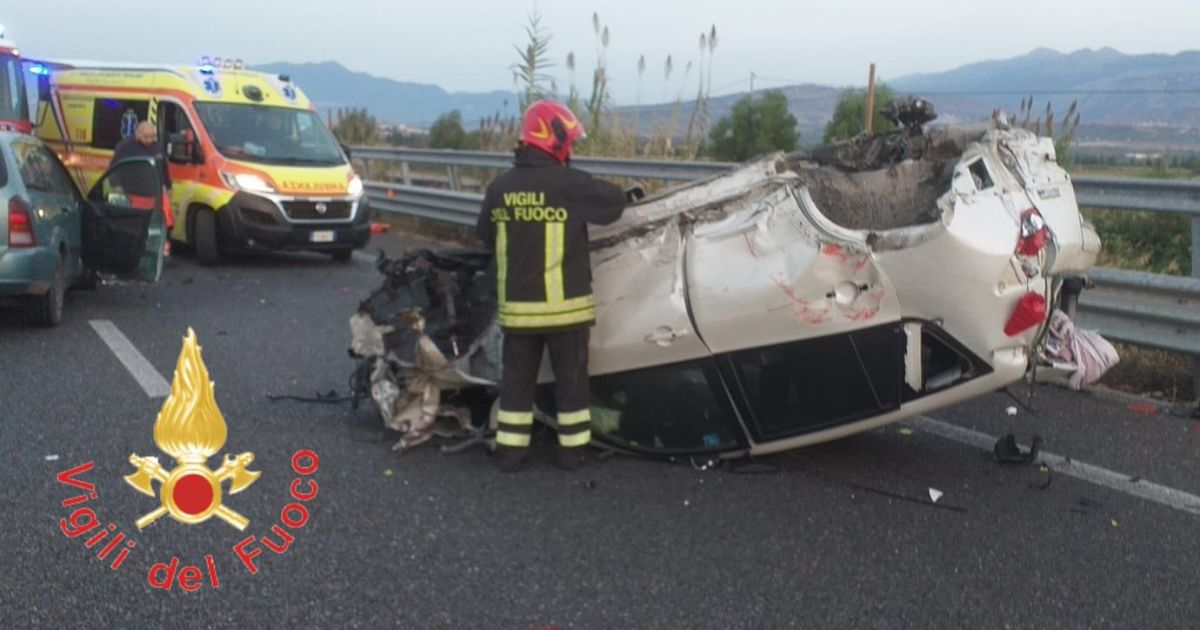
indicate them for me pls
(53, 238)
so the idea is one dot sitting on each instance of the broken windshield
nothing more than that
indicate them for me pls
(270, 135)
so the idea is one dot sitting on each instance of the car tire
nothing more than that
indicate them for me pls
(342, 255)
(46, 310)
(205, 237)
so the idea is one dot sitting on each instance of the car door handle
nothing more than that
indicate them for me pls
(665, 335)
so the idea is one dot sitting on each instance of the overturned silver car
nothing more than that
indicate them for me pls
(795, 300)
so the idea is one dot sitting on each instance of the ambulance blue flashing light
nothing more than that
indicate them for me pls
(40, 69)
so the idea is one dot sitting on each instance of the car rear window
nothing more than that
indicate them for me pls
(3, 169)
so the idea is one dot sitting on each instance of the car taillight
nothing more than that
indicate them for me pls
(20, 227)
(1030, 311)
(1034, 232)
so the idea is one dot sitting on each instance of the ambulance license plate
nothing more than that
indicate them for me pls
(322, 236)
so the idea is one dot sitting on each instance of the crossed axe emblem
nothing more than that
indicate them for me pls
(199, 484)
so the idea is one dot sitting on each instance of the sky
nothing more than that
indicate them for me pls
(469, 46)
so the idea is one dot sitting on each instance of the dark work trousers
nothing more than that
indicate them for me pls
(518, 385)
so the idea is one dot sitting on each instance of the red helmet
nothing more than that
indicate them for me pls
(551, 127)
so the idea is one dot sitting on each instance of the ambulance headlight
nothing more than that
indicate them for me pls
(247, 182)
(355, 187)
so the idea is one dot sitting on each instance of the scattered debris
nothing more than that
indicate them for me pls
(902, 497)
(52, 458)
(686, 503)
(1006, 450)
(589, 485)
(1143, 408)
(387, 473)
(1091, 353)
(324, 398)
(1184, 410)
(905, 431)
(1113, 522)
(379, 227)
(1045, 470)
(1012, 410)
(748, 466)
(935, 494)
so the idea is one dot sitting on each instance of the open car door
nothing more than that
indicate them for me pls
(123, 225)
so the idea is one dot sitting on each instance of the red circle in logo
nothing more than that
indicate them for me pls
(193, 494)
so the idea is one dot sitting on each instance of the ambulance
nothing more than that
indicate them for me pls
(252, 164)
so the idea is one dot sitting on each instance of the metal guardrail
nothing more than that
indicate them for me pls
(604, 167)
(447, 206)
(1124, 193)
(1144, 309)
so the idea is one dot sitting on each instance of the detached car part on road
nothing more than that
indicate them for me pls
(798, 299)
(51, 237)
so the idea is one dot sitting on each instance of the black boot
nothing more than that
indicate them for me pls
(571, 458)
(509, 459)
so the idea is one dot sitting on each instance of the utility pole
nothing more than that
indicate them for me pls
(870, 99)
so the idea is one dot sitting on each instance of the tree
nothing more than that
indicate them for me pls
(849, 115)
(755, 127)
(355, 126)
(447, 132)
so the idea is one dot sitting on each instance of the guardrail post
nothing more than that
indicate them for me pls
(452, 174)
(1196, 274)
(405, 174)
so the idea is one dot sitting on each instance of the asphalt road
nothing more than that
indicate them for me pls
(839, 535)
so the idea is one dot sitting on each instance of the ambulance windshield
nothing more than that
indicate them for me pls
(270, 135)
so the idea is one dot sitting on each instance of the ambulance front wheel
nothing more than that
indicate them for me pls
(208, 251)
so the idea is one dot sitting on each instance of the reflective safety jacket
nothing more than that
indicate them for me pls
(535, 216)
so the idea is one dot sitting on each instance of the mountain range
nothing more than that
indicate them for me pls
(1114, 90)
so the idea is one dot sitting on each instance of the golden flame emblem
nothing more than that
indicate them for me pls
(190, 429)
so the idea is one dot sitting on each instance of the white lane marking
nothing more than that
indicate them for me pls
(1160, 494)
(151, 381)
(363, 257)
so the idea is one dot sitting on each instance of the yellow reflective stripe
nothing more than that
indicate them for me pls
(571, 418)
(573, 439)
(547, 308)
(501, 261)
(504, 438)
(538, 321)
(515, 418)
(555, 234)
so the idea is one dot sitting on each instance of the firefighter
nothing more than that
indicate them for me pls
(535, 217)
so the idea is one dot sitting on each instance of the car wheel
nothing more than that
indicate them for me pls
(47, 309)
(208, 250)
(342, 255)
